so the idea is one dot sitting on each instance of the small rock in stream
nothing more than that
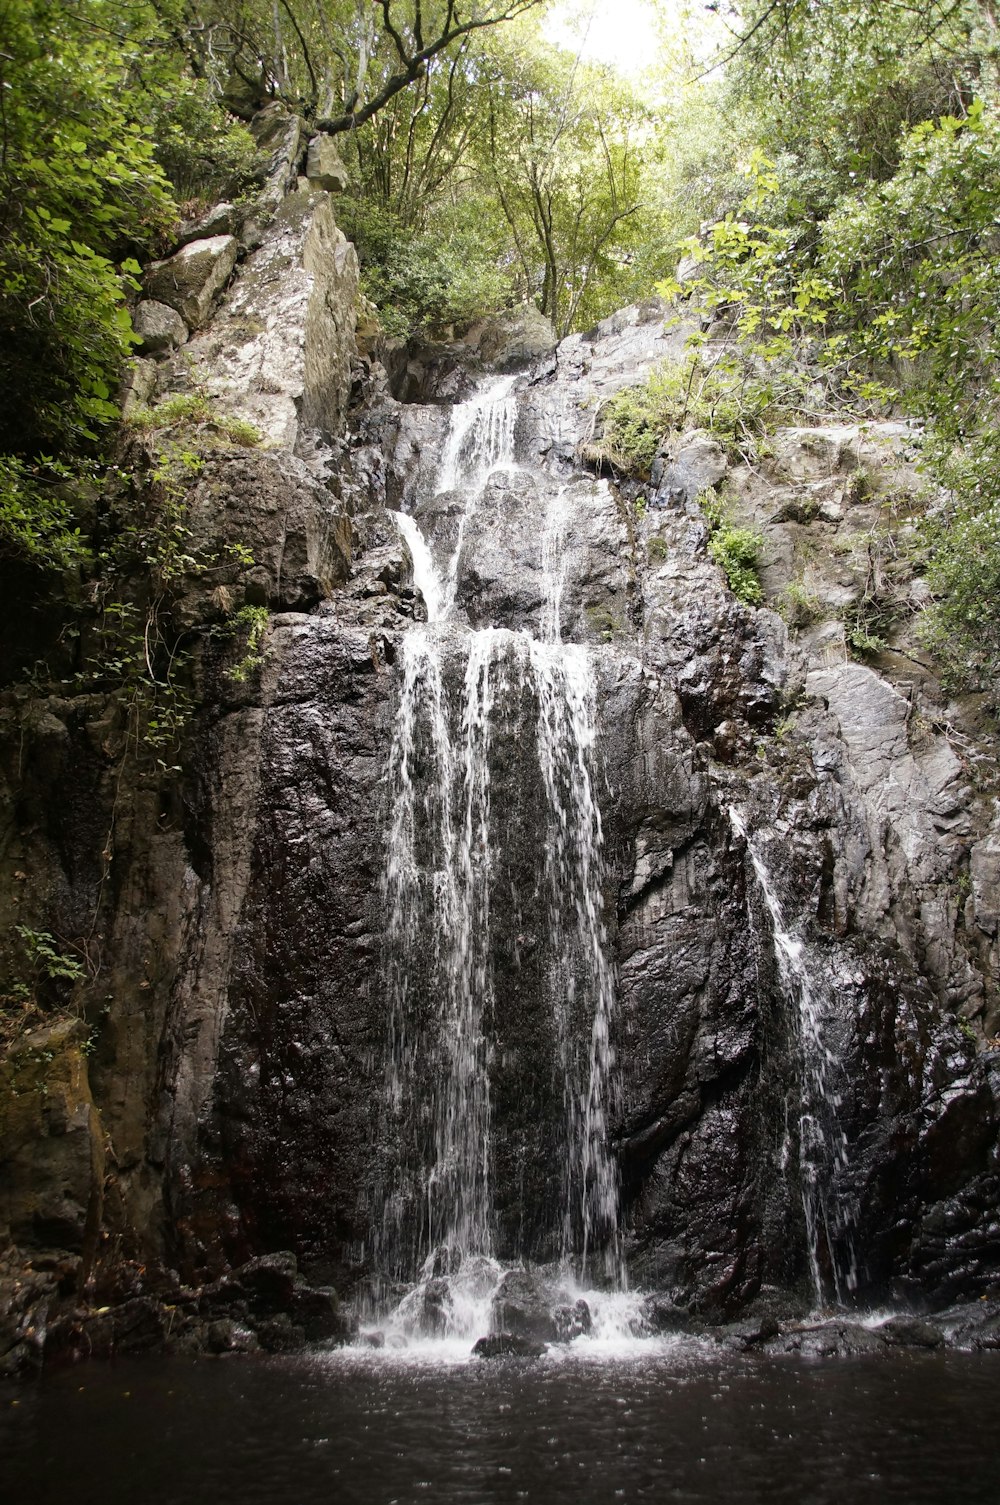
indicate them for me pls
(507, 1346)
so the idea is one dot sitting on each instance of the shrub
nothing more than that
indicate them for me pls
(723, 394)
(736, 551)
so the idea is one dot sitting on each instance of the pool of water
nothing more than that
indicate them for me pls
(675, 1423)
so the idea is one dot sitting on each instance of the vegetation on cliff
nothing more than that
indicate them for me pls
(828, 177)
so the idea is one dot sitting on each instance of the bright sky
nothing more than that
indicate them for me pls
(623, 33)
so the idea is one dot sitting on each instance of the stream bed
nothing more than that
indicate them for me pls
(675, 1421)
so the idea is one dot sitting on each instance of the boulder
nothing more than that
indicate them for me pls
(523, 1306)
(161, 327)
(190, 281)
(572, 1321)
(221, 219)
(324, 166)
(507, 1346)
(697, 464)
(517, 338)
(226, 1336)
(911, 1332)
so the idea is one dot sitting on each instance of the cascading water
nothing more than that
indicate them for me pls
(466, 698)
(823, 1150)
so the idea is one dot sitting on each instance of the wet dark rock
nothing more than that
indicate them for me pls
(508, 1346)
(975, 1325)
(51, 1145)
(226, 1336)
(828, 1340)
(434, 1307)
(267, 1283)
(911, 1332)
(524, 1306)
(660, 1315)
(744, 1336)
(572, 1321)
(137, 1326)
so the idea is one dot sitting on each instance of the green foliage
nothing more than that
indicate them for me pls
(963, 626)
(868, 238)
(718, 392)
(564, 148)
(251, 624)
(737, 551)
(47, 962)
(37, 515)
(425, 279)
(205, 154)
(80, 195)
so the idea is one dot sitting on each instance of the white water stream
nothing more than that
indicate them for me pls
(445, 843)
(823, 1149)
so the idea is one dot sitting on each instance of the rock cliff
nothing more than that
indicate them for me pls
(209, 1087)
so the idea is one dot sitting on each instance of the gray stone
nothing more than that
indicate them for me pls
(139, 386)
(324, 166)
(984, 865)
(191, 280)
(507, 1346)
(221, 219)
(516, 338)
(279, 353)
(694, 464)
(161, 327)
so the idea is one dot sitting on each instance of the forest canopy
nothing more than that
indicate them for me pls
(825, 172)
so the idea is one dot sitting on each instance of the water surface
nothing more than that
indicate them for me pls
(680, 1424)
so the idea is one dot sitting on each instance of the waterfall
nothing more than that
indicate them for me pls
(460, 691)
(823, 1150)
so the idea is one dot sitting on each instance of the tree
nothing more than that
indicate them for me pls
(338, 62)
(81, 195)
(871, 228)
(566, 153)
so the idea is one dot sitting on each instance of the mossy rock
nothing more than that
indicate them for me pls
(51, 1143)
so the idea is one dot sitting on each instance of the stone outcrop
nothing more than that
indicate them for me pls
(515, 339)
(190, 281)
(51, 1144)
(324, 166)
(278, 355)
(161, 327)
